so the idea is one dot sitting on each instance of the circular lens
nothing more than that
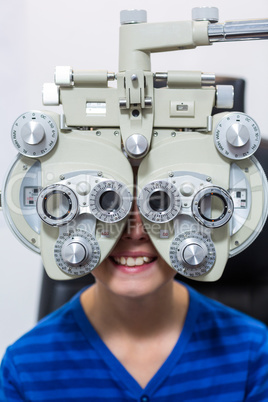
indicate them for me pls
(110, 201)
(159, 201)
(57, 205)
(212, 207)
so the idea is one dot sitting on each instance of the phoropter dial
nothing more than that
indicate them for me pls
(77, 252)
(110, 201)
(34, 134)
(159, 201)
(212, 207)
(57, 205)
(237, 136)
(192, 254)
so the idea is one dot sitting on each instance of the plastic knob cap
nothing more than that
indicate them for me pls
(133, 17)
(50, 94)
(224, 96)
(210, 14)
(63, 76)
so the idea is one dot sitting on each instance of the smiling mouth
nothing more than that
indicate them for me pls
(133, 262)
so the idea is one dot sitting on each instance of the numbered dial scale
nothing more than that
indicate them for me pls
(237, 136)
(192, 254)
(110, 201)
(34, 134)
(77, 252)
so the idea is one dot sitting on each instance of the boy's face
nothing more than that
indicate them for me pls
(134, 268)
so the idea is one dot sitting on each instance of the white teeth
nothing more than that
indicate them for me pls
(132, 262)
(146, 259)
(139, 261)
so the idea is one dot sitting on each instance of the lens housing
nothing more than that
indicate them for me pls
(159, 201)
(57, 205)
(212, 207)
(110, 201)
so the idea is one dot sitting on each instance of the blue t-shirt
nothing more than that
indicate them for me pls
(221, 355)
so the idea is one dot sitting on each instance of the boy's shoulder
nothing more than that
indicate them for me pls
(214, 314)
(50, 329)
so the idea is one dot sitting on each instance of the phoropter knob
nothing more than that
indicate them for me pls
(210, 14)
(76, 251)
(34, 134)
(237, 136)
(133, 17)
(194, 254)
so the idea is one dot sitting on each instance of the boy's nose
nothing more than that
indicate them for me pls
(134, 229)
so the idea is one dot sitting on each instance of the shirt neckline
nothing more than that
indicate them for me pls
(117, 370)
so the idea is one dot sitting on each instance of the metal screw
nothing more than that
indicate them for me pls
(209, 179)
(116, 133)
(24, 167)
(62, 177)
(237, 243)
(171, 174)
(155, 134)
(33, 241)
(173, 134)
(98, 133)
(246, 169)
(99, 173)
(134, 77)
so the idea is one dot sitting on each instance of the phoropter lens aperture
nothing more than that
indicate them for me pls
(110, 201)
(159, 201)
(57, 205)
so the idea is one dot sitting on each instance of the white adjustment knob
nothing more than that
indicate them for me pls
(133, 17)
(136, 145)
(83, 188)
(63, 76)
(187, 189)
(210, 14)
(224, 97)
(50, 95)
